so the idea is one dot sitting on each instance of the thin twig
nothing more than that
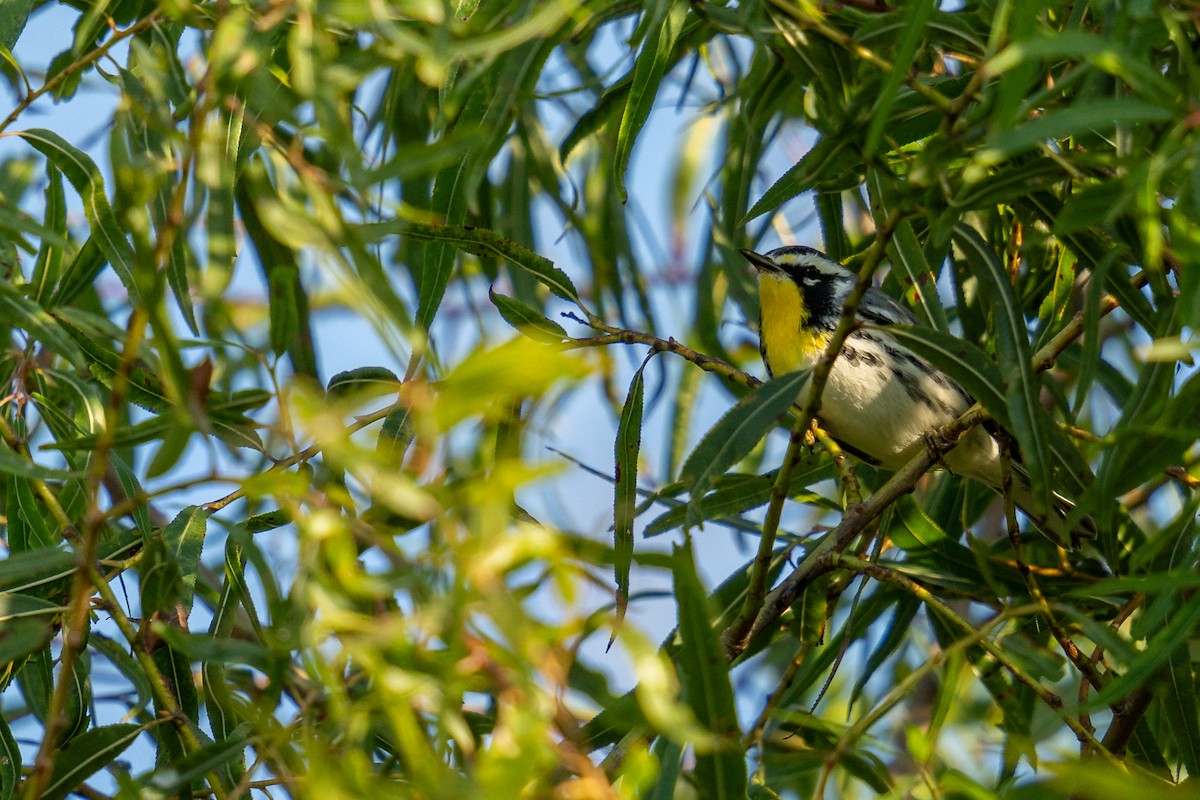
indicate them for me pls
(149, 21)
(734, 637)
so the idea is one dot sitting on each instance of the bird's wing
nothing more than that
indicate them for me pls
(879, 308)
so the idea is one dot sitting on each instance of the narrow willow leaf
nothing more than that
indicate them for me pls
(133, 489)
(10, 761)
(184, 540)
(1182, 710)
(669, 756)
(159, 584)
(36, 679)
(217, 169)
(736, 434)
(663, 24)
(90, 752)
(704, 672)
(195, 766)
(85, 176)
(610, 103)
(833, 225)
(915, 16)
(483, 242)
(22, 571)
(1104, 52)
(13, 463)
(735, 494)
(80, 274)
(396, 434)
(289, 311)
(826, 165)
(1023, 389)
(1005, 185)
(142, 387)
(22, 312)
(1159, 647)
(27, 624)
(363, 382)
(526, 319)
(205, 648)
(219, 702)
(625, 458)
(13, 16)
(25, 513)
(1092, 116)
(919, 282)
(47, 269)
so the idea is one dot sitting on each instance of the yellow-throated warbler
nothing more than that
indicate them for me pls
(881, 400)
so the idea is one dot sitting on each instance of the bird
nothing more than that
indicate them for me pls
(881, 401)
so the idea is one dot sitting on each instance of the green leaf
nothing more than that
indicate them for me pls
(625, 458)
(736, 434)
(669, 755)
(527, 320)
(159, 583)
(396, 434)
(10, 761)
(736, 493)
(919, 282)
(36, 679)
(217, 170)
(1159, 647)
(27, 624)
(13, 463)
(1181, 709)
(663, 24)
(184, 540)
(1103, 52)
(1022, 386)
(143, 387)
(21, 312)
(133, 489)
(830, 165)
(363, 381)
(289, 311)
(85, 176)
(168, 778)
(29, 524)
(612, 101)
(13, 16)
(20, 572)
(704, 672)
(1092, 116)
(915, 16)
(47, 269)
(486, 243)
(88, 753)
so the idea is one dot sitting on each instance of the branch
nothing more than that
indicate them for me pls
(149, 21)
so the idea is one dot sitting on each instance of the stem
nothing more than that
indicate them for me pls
(735, 636)
(84, 60)
(945, 612)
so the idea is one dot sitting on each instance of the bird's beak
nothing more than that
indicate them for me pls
(760, 262)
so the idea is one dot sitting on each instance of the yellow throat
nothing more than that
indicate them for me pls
(788, 344)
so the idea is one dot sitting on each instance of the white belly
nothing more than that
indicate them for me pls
(870, 408)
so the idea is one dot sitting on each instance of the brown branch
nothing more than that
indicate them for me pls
(149, 21)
